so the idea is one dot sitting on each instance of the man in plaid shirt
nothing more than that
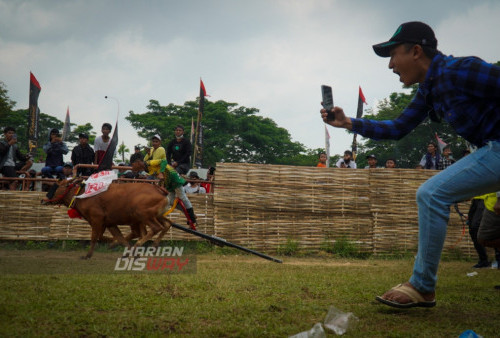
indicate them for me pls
(466, 93)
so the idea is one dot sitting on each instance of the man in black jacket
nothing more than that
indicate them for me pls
(9, 152)
(179, 151)
(83, 154)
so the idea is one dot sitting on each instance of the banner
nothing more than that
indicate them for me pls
(33, 113)
(198, 146)
(359, 113)
(440, 143)
(98, 183)
(66, 128)
(107, 160)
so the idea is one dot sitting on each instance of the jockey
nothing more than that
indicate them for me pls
(174, 185)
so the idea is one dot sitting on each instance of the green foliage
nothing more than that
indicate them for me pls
(122, 150)
(409, 150)
(231, 133)
(342, 247)
(85, 128)
(290, 248)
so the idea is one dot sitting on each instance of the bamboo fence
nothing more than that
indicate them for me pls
(266, 206)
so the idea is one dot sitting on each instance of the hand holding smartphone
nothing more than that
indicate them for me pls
(326, 92)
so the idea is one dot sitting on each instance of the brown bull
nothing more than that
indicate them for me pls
(140, 205)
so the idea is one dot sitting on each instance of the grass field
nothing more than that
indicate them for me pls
(232, 295)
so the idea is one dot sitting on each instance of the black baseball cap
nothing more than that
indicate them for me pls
(83, 135)
(412, 32)
(371, 156)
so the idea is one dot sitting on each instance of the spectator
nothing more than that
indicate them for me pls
(347, 161)
(137, 171)
(390, 163)
(179, 151)
(67, 170)
(474, 217)
(9, 152)
(372, 162)
(137, 155)
(83, 154)
(55, 150)
(447, 159)
(489, 229)
(442, 79)
(431, 159)
(154, 157)
(194, 187)
(322, 160)
(210, 178)
(101, 143)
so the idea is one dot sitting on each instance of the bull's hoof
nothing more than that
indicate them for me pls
(85, 257)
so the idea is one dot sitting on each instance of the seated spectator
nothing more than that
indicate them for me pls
(322, 160)
(83, 154)
(447, 159)
(431, 159)
(137, 155)
(210, 178)
(346, 161)
(372, 162)
(67, 170)
(55, 150)
(390, 163)
(137, 171)
(9, 152)
(194, 187)
(154, 157)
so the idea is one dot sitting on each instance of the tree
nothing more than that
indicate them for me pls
(85, 129)
(231, 133)
(409, 150)
(122, 149)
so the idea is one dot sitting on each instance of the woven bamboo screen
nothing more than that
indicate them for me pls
(264, 206)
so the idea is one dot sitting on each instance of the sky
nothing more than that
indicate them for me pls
(270, 55)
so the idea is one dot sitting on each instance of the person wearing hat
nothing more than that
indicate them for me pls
(464, 92)
(179, 151)
(83, 154)
(372, 161)
(137, 155)
(346, 161)
(194, 187)
(154, 156)
(55, 149)
(67, 170)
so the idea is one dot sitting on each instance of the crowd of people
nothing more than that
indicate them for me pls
(146, 163)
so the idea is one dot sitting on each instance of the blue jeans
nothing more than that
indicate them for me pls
(53, 170)
(473, 175)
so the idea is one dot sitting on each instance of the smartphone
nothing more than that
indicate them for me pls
(326, 92)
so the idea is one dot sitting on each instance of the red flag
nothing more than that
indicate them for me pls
(33, 113)
(361, 100)
(198, 140)
(361, 95)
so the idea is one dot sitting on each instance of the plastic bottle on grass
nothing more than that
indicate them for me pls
(339, 321)
(316, 332)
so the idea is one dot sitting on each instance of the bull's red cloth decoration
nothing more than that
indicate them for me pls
(73, 213)
(98, 183)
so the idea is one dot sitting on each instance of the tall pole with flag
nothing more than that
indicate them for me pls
(33, 113)
(66, 128)
(359, 113)
(198, 144)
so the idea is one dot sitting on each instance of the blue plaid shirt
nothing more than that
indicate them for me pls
(463, 91)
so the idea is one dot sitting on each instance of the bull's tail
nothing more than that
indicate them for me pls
(161, 189)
